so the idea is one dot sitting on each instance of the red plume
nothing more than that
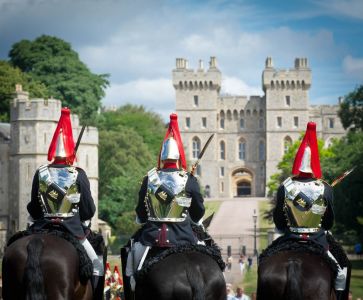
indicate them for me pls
(311, 141)
(173, 131)
(64, 126)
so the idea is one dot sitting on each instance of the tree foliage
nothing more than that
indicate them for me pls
(130, 139)
(9, 77)
(351, 110)
(53, 62)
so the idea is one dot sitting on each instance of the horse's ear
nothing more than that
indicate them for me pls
(208, 220)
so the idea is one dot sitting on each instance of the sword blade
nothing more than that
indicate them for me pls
(341, 177)
(205, 147)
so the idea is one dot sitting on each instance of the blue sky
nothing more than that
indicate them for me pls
(137, 41)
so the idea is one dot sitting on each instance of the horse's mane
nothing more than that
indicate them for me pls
(296, 246)
(159, 254)
(85, 264)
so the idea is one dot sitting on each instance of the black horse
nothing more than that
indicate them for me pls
(189, 275)
(41, 266)
(295, 275)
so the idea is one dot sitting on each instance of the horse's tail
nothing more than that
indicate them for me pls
(196, 284)
(293, 284)
(33, 276)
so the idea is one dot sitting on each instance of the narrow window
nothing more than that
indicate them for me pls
(187, 122)
(222, 149)
(296, 122)
(279, 121)
(199, 170)
(222, 186)
(242, 123)
(196, 147)
(261, 150)
(204, 122)
(222, 123)
(242, 150)
(287, 144)
(331, 122)
(260, 123)
(196, 100)
(221, 172)
(287, 100)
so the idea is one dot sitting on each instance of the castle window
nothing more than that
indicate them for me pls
(287, 143)
(222, 186)
(196, 101)
(331, 122)
(279, 122)
(261, 150)
(260, 123)
(221, 171)
(287, 100)
(199, 170)
(242, 149)
(187, 122)
(296, 122)
(204, 122)
(221, 123)
(242, 123)
(222, 150)
(196, 147)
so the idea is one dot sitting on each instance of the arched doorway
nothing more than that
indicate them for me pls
(242, 183)
(243, 188)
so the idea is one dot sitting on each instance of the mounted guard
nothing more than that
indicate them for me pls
(169, 202)
(61, 196)
(304, 208)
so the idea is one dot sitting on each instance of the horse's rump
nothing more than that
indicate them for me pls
(40, 262)
(187, 272)
(295, 270)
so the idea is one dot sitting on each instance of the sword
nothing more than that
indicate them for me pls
(79, 139)
(341, 177)
(201, 154)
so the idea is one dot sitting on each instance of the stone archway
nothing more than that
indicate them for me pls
(242, 180)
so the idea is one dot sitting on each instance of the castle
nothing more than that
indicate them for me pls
(23, 148)
(251, 133)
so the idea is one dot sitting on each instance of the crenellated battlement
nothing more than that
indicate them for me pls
(297, 78)
(23, 108)
(185, 78)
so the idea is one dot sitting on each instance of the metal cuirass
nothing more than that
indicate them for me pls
(304, 205)
(58, 191)
(166, 200)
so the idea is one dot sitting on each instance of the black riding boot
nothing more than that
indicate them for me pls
(98, 286)
(341, 295)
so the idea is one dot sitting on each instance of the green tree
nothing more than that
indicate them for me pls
(9, 77)
(130, 140)
(348, 202)
(351, 110)
(52, 61)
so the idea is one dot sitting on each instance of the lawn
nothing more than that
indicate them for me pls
(356, 282)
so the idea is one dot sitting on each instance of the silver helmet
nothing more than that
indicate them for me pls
(306, 161)
(60, 151)
(169, 150)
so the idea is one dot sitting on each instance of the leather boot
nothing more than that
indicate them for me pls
(341, 295)
(98, 286)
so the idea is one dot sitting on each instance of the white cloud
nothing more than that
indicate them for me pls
(346, 8)
(353, 66)
(156, 94)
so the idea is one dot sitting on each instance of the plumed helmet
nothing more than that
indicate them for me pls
(172, 147)
(169, 150)
(62, 144)
(307, 156)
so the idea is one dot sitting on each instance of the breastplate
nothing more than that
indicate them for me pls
(304, 205)
(166, 200)
(58, 191)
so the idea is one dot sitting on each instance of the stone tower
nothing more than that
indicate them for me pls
(287, 108)
(197, 93)
(32, 123)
